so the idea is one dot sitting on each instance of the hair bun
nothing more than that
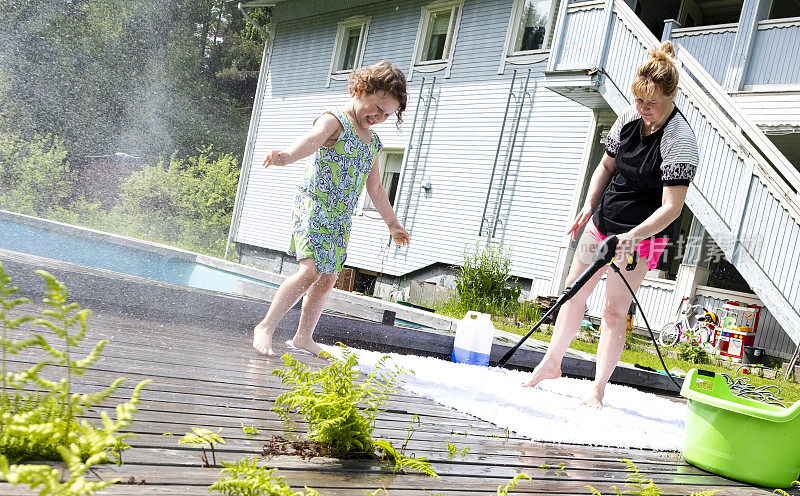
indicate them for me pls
(666, 52)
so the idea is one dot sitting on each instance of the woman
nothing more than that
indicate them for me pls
(636, 192)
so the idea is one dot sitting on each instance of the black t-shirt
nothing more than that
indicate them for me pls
(644, 165)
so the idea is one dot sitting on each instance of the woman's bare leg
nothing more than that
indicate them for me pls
(569, 316)
(288, 294)
(612, 334)
(313, 304)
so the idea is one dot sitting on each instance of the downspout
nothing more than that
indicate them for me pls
(254, 119)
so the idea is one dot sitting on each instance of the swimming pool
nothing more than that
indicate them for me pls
(100, 250)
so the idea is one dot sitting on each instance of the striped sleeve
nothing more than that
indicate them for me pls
(613, 138)
(679, 153)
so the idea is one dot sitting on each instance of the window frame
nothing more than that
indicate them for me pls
(527, 56)
(367, 205)
(340, 44)
(456, 8)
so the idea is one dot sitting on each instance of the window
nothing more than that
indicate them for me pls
(532, 27)
(530, 31)
(390, 163)
(348, 49)
(436, 36)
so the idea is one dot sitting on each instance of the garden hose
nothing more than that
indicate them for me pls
(766, 394)
(647, 324)
(604, 255)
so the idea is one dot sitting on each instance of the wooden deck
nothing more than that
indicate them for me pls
(207, 375)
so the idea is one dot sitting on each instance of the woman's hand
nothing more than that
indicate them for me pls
(626, 244)
(399, 234)
(582, 218)
(277, 157)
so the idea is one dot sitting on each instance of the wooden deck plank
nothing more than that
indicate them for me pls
(214, 380)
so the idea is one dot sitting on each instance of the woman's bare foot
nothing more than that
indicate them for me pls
(307, 344)
(262, 340)
(545, 370)
(594, 401)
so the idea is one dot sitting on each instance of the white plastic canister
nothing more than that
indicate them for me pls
(474, 336)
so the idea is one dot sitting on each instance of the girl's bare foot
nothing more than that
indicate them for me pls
(262, 340)
(545, 370)
(307, 344)
(594, 401)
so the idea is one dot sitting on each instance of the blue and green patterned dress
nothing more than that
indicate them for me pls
(327, 196)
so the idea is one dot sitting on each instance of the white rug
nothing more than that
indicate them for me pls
(551, 412)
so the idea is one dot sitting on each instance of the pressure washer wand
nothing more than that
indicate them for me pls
(603, 256)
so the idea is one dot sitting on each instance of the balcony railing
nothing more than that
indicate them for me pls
(772, 63)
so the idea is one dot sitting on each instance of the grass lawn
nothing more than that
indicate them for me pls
(643, 353)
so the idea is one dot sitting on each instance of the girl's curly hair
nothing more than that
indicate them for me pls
(658, 72)
(383, 76)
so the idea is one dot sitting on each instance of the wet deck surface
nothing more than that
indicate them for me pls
(209, 376)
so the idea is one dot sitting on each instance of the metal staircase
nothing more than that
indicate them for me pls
(745, 193)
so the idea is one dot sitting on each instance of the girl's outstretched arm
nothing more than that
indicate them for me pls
(326, 127)
(378, 196)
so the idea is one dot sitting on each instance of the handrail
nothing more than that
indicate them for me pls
(741, 132)
(779, 23)
(695, 30)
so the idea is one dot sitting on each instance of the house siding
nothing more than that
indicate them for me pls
(458, 147)
(780, 109)
(710, 48)
(460, 142)
(771, 61)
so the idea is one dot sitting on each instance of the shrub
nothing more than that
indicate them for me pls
(484, 283)
(692, 351)
(188, 201)
(35, 177)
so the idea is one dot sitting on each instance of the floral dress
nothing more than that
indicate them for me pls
(327, 196)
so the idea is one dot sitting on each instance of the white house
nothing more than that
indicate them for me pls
(509, 104)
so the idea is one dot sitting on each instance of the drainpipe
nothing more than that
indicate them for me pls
(254, 118)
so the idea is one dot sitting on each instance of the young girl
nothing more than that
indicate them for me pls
(345, 150)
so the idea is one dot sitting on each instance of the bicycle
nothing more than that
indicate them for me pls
(680, 330)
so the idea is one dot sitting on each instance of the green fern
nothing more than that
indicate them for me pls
(251, 431)
(415, 422)
(784, 493)
(8, 345)
(401, 462)
(781, 491)
(339, 409)
(246, 478)
(559, 469)
(641, 486)
(512, 485)
(203, 436)
(452, 450)
(46, 425)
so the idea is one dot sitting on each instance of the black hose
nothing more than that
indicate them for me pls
(652, 336)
